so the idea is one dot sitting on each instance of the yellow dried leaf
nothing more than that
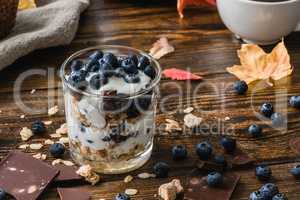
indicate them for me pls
(258, 65)
(26, 4)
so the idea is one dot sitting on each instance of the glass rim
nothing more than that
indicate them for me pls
(154, 82)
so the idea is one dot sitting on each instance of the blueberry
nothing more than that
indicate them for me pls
(106, 68)
(161, 170)
(263, 172)
(132, 78)
(228, 144)
(129, 66)
(134, 58)
(220, 160)
(296, 171)
(204, 150)
(277, 120)
(57, 150)
(267, 109)
(179, 152)
(279, 196)
(150, 71)
(143, 62)
(116, 134)
(119, 72)
(95, 68)
(256, 196)
(240, 87)
(2, 194)
(295, 101)
(255, 130)
(122, 196)
(76, 65)
(111, 59)
(268, 191)
(214, 179)
(93, 59)
(97, 80)
(77, 79)
(38, 127)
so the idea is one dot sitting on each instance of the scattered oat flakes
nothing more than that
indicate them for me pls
(23, 146)
(48, 142)
(87, 172)
(26, 134)
(146, 175)
(227, 118)
(131, 192)
(36, 146)
(191, 120)
(32, 91)
(63, 129)
(22, 116)
(32, 189)
(172, 125)
(67, 163)
(40, 156)
(48, 122)
(56, 161)
(128, 179)
(0, 111)
(55, 135)
(63, 140)
(169, 191)
(188, 110)
(160, 48)
(53, 110)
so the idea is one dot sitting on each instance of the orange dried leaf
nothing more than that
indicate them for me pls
(258, 65)
(181, 4)
(26, 4)
(160, 48)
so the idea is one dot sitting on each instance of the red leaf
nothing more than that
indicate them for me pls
(178, 74)
(181, 4)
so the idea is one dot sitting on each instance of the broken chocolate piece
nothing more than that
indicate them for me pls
(74, 193)
(295, 145)
(25, 177)
(209, 166)
(67, 174)
(240, 159)
(197, 187)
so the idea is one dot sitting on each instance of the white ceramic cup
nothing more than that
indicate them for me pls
(260, 22)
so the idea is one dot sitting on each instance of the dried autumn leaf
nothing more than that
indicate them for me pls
(258, 65)
(181, 4)
(178, 74)
(160, 48)
(26, 4)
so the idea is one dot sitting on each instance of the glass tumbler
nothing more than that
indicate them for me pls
(111, 132)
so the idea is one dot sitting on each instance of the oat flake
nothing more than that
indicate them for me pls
(188, 110)
(128, 179)
(191, 120)
(26, 134)
(131, 192)
(49, 142)
(36, 146)
(53, 110)
(146, 175)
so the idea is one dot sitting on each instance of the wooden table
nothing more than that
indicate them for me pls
(202, 44)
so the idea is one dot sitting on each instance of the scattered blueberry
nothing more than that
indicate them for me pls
(240, 87)
(296, 171)
(228, 144)
(255, 130)
(277, 119)
(2, 194)
(143, 62)
(76, 65)
(97, 80)
(122, 196)
(161, 170)
(214, 179)
(129, 66)
(267, 109)
(279, 196)
(179, 152)
(220, 160)
(132, 78)
(256, 196)
(263, 172)
(150, 71)
(268, 191)
(204, 150)
(57, 150)
(295, 101)
(111, 59)
(38, 127)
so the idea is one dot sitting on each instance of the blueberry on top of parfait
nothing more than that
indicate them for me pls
(143, 62)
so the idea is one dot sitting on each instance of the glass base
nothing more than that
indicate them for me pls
(114, 167)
